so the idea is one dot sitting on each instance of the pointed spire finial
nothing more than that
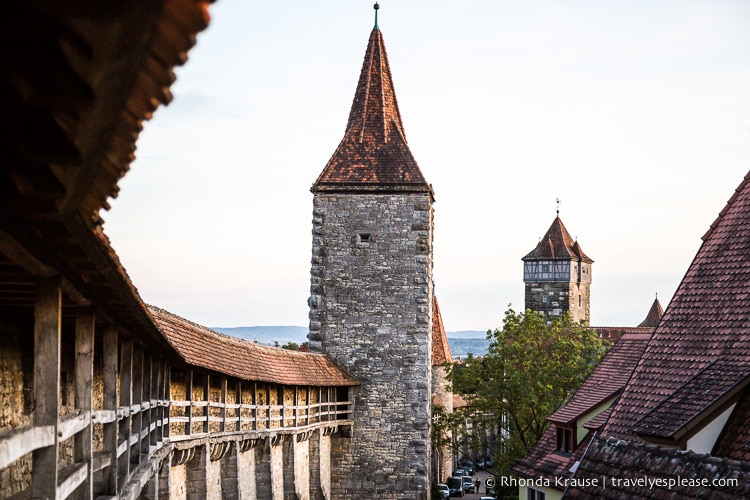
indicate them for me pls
(376, 7)
(558, 206)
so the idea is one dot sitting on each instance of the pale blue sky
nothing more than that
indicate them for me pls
(636, 114)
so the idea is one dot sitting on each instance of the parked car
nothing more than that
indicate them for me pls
(443, 489)
(455, 486)
(458, 473)
(468, 466)
(468, 484)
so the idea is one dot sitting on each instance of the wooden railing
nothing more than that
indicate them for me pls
(258, 418)
(120, 463)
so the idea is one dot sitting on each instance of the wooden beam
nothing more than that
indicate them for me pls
(189, 398)
(126, 400)
(20, 256)
(84, 374)
(223, 424)
(137, 418)
(47, 333)
(158, 393)
(239, 408)
(207, 399)
(148, 414)
(167, 396)
(109, 362)
(15, 443)
(254, 402)
(296, 404)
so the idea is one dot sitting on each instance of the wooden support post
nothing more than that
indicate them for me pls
(268, 405)
(307, 420)
(47, 325)
(147, 398)
(157, 395)
(109, 347)
(206, 411)
(137, 419)
(254, 402)
(84, 375)
(126, 400)
(189, 398)
(296, 404)
(223, 424)
(167, 397)
(320, 405)
(239, 408)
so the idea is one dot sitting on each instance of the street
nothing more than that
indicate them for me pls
(481, 475)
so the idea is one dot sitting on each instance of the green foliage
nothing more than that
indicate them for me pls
(292, 346)
(466, 378)
(530, 370)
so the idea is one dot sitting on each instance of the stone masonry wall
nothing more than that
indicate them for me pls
(17, 476)
(371, 310)
(560, 297)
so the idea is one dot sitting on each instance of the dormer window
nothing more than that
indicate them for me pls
(565, 442)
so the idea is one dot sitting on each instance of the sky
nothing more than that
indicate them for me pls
(634, 114)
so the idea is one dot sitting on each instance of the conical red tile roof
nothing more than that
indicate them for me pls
(654, 315)
(557, 244)
(373, 155)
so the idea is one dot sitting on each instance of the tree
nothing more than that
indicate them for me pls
(531, 369)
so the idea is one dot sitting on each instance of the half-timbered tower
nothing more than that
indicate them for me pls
(557, 275)
(371, 290)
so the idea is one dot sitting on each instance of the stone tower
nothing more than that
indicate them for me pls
(557, 275)
(371, 291)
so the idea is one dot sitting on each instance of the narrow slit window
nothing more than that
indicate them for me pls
(364, 238)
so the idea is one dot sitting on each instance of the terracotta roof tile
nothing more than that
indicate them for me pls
(459, 402)
(653, 316)
(604, 383)
(441, 350)
(557, 244)
(696, 363)
(705, 322)
(638, 462)
(205, 348)
(598, 421)
(682, 410)
(374, 154)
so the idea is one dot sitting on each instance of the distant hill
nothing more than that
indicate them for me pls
(461, 342)
(461, 347)
(267, 335)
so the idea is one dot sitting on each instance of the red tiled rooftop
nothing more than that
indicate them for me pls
(638, 461)
(654, 315)
(680, 412)
(607, 379)
(205, 348)
(706, 320)
(695, 366)
(441, 351)
(557, 244)
(604, 383)
(374, 154)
